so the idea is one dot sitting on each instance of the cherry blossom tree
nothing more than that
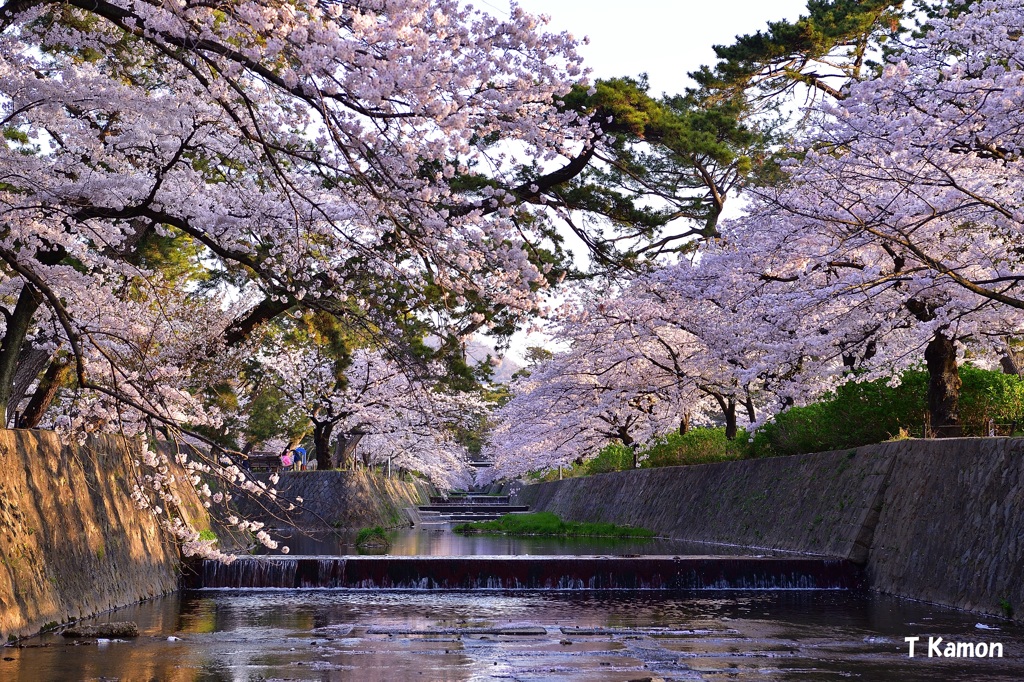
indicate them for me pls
(899, 228)
(340, 127)
(894, 238)
(366, 159)
(377, 405)
(598, 391)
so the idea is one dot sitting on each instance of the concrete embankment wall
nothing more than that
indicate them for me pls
(72, 542)
(937, 520)
(344, 499)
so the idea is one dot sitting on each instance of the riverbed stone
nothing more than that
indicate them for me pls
(118, 629)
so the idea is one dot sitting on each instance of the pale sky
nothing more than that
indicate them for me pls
(664, 38)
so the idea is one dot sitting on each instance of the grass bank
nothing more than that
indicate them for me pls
(546, 523)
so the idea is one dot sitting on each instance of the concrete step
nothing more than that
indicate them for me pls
(474, 508)
(470, 499)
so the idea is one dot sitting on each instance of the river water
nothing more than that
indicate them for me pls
(442, 542)
(369, 635)
(412, 635)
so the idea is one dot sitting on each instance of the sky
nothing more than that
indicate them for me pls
(665, 39)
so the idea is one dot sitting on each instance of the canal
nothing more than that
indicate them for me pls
(214, 635)
(325, 634)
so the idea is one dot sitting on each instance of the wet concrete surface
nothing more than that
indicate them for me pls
(214, 635)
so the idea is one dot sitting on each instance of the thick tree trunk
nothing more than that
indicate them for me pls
(684, 424)
(943, 386)
(46, 391)
(18, 324)
(321, 443)
(731, 428)
(628, 441)
(345, 449)
(31, 361)
(728, 406)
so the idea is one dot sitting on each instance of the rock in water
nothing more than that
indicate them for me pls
(106, 630)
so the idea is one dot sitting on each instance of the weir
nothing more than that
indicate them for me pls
(528, 573)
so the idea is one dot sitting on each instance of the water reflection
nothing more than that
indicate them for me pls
(344, 635)
(423, 542)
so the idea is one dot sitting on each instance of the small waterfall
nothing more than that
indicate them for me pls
(249, 573)
(528, 573)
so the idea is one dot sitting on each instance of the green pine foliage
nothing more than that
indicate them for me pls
(846, 34)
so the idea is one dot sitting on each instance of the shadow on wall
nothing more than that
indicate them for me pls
(72, 542)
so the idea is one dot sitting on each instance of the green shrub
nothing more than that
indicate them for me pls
(612, 457)
(696, 446)
(871, 412)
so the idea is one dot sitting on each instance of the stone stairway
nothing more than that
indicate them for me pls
(462, 507)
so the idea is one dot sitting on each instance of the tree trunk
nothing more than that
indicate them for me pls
(943, 387)
(46, 391)
(1012, 362)
(628, 441)
(751, 412)
(321, 443)
(684, 424)
(31, 361)
(728, 407)
(345, 449)
(18, 324)
(731, 428)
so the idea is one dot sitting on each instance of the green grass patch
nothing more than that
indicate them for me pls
(373, 538)
(546, 523)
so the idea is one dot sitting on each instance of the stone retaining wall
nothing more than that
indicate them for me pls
(345, 499)
(72, 543)
(937, 520)
(951, 527)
